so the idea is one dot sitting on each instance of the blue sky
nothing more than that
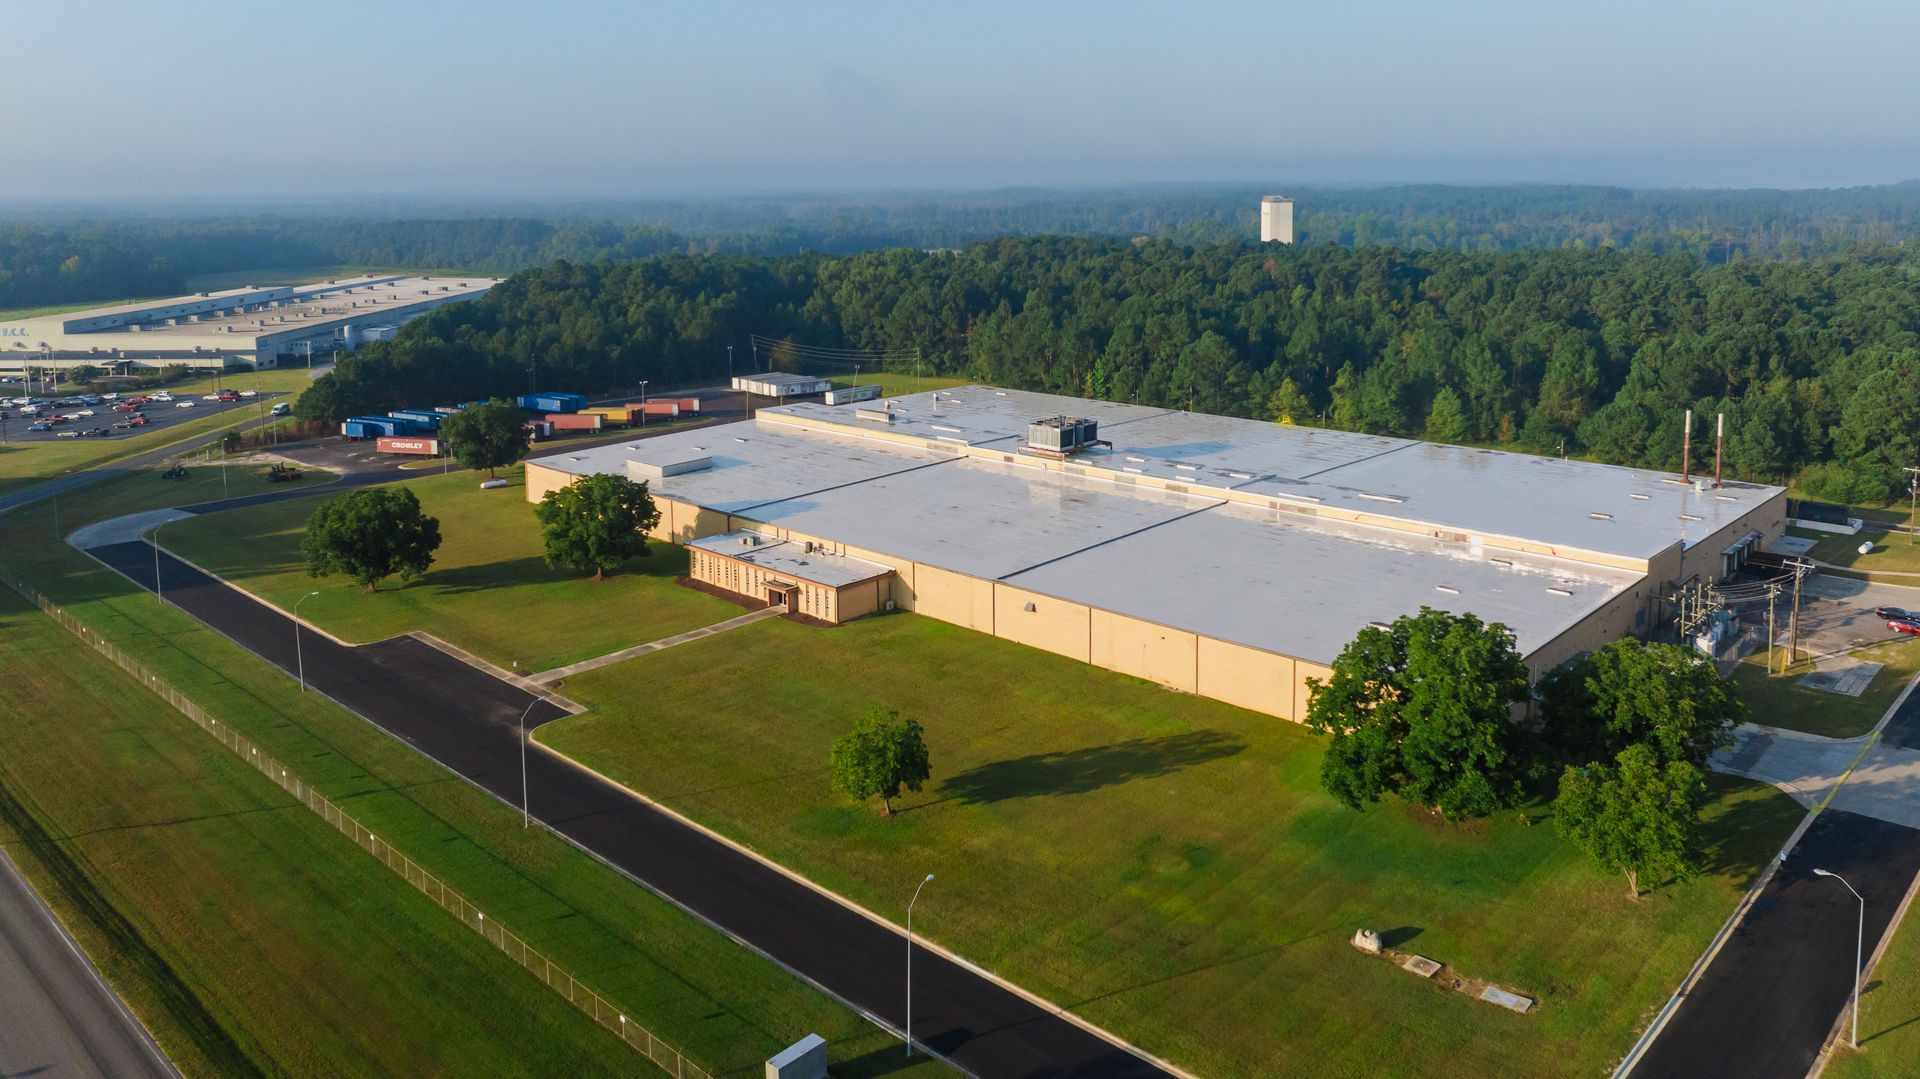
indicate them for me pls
(563, 98)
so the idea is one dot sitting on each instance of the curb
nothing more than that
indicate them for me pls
(920, 939)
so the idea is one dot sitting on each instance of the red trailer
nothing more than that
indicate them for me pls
(687, 404)
(573, 421)
(418, 447)
(657, 408)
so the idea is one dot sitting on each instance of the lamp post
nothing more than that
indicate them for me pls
(299, 659)
(729, 364)
(910, 903)
(526, 815)
(1859, 940)
(643, 402)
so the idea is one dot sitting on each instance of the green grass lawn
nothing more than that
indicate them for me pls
(1164, 865)
(1779, 702)
(23, 464)
(1892, 551)
(726, 1007)
(489, 590)
(1889, 1035)
(249, 936)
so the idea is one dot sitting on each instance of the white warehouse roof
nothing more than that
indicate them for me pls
(1211, 546)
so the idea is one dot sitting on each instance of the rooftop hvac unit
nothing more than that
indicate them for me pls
(1062, 436)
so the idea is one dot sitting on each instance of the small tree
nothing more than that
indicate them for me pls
(489, 436)
(596, 522)
(1632, 692)
(369, 534)
(1637, 815)
(882, 754)
(1423, 708)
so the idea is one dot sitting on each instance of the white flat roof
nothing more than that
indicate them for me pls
(1628, 512)
(792, 559)
(1275, 580)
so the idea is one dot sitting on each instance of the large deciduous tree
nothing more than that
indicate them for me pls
(369, 534)
(1633, 692)
(596, 522)
(490, 436)
(881, 755)
(1638, 815)
(1423, 709)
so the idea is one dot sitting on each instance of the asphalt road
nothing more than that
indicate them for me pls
(138, 461)
(57, 1018)
(466, 720)
(1766, 1003)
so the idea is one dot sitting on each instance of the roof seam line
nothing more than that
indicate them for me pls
(1109, 539)
(1359, 460)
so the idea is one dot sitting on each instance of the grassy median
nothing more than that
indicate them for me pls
(1163, 864)
(1779, 701)
(248, 935)
(699, 991)
(489, 590)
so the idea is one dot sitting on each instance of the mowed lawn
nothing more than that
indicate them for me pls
(1889, 1036)
(251, 937)
(1781, 702)
(726, 1007)
(489, 590)
(1164, 865)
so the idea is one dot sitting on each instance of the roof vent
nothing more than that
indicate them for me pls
(1447, 588)
(1395, 499)
(1601, 516)
(1559, 591)
(1379, 625)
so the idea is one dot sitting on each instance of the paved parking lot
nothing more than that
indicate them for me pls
(160, 415)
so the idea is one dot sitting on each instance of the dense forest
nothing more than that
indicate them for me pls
(53, 257)
(1816, 363)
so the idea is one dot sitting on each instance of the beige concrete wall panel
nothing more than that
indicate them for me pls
(1146, 650)
(1053, 625)
(1248, 677)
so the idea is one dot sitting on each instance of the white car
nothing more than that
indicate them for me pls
(249, 393)
(109, 397)
(184, 404)
(161, 396)
(85, 413)
(210, 397)
(23, 400)
(29, 410)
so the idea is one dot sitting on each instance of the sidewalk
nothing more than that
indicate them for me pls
(571, 669)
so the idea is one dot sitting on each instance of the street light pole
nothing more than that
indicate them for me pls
(643, 402)
(910, 903)
(1859, 942)
(299, 659)
(526, 814)
(729, 364)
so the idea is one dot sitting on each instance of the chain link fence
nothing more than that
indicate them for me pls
(639, 1038)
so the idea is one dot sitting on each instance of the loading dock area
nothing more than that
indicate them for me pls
(1225, 557)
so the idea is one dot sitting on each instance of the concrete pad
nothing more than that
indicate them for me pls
(1792, 545)
(1805, 766)
(123, 529)
(1886, 786)
(1843, 676)
(1420, 964)
(1493, 994)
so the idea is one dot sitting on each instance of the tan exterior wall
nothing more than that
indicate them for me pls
(1704, 558)
(1053, 625)
(541, 479)
(1302, 670)
(1144, 650)
(953, 597)
(1248, 677)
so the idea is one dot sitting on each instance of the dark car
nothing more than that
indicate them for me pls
(1904, 625)
(1892, 613)
(40, 427)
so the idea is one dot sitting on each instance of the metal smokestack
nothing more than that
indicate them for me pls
(1686, 449)
(1719, 434)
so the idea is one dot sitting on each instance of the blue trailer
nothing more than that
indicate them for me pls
(551, 402)
(375, 426)
(423, 417)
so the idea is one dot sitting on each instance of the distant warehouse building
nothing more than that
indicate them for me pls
(1225, 557)
(250, 327)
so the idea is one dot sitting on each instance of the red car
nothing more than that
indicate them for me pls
(1904, 625)
(137, 420)
(126, 406)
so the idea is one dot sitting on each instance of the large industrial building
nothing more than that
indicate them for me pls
(244, 327)
(1225, 557)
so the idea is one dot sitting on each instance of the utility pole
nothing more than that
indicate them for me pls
(1773, 589)
(1913, 504)
(1793, 621)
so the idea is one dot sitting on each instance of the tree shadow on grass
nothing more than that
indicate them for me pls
(1078, 771)
(1741, 840)
(479, 578)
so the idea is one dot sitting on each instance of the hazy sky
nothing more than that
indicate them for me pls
(556, 97)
